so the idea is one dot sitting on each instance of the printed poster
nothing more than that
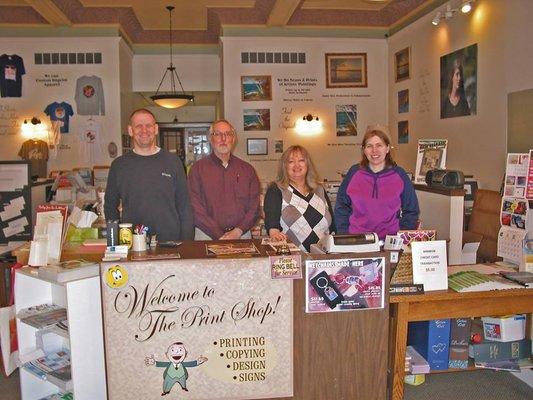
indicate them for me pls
(516, 174)
(431, 155)
(344, 284)
(197, 329)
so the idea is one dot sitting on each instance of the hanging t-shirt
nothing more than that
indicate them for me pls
(90, 142)
(89, 96)
(11, 71)
(36, 152)
(60, 112)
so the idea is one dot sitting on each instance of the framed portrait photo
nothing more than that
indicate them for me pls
(458, 83)
(256, 88)
(402, 64)
(257, 147)
(346, 70)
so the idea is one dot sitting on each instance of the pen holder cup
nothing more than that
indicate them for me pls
(139, 242)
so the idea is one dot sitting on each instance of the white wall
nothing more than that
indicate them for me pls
(127, 97)
(197, 72)
(329, 152)
(477, 144)
(36, 95)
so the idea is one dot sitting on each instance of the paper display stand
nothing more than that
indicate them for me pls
(516, 217)
(15, 201)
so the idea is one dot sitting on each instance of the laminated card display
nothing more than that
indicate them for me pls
(430, 265)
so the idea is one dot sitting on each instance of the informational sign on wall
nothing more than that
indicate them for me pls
(216, 329)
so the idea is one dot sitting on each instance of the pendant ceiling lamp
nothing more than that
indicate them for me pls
(172, 99)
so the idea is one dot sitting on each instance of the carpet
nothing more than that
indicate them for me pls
(470, 385)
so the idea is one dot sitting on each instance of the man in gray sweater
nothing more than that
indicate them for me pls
(151, 184)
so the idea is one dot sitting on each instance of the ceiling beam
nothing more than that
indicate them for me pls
(282, 12)
(50, 12)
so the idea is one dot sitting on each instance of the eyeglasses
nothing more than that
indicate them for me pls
(220, 135)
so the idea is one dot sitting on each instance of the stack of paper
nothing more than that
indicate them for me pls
(417, 364)
(472, 281)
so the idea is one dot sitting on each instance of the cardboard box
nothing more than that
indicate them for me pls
(504, 329)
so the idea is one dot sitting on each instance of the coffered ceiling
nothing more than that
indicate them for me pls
(201, 22)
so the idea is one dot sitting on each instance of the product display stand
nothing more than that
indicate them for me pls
(81, 298)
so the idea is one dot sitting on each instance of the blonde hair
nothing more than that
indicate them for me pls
(312, 179)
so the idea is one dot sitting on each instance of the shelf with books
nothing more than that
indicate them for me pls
(80, 334)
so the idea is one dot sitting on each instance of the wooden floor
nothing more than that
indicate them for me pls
(10, 387)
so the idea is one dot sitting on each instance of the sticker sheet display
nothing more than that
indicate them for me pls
(511, 243)
(344, 284)
(514, 212)
(197, 329)
(516, 173)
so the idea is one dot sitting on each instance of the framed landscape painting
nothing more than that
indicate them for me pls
(402, 64)
(256, 88)
(346, 70)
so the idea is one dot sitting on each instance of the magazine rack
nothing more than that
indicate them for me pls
(81, 298)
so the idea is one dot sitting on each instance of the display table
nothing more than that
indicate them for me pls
(333, 355)
(445, 304)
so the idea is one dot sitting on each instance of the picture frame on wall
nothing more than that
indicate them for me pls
(256, 88)
(402, 64)
(256, 119)
(346, 70)
(403, 101)
(257, 147)
(403, 132)
(458, 83)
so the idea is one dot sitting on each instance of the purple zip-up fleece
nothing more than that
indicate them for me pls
(382, 202)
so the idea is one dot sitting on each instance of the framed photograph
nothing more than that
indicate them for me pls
(402, 64)
(257, 147)
(346, 70)
(256, 88)
(403, 101)
(346, 120)
(256, 119)
(403, 132)
(458, 83)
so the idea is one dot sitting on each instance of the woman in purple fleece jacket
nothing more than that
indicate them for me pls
(376, 195)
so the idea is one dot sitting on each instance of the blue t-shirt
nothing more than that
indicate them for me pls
(60, 112)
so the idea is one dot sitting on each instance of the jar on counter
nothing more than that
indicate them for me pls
(125, 234)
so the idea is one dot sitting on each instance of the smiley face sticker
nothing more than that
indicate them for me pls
(116, 277)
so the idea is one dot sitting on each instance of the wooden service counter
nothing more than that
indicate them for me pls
(253, 330)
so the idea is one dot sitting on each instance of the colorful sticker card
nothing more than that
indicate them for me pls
(516, 173)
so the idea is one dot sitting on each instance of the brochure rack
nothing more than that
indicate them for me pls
(81, 298)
